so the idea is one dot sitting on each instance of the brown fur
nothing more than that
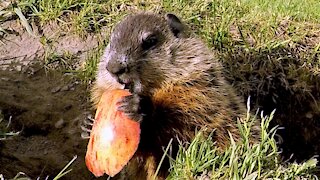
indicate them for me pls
(184, 82)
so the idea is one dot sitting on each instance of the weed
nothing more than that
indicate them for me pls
(4, 128)
(241, 160)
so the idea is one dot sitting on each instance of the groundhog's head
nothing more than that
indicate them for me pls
(146, 50)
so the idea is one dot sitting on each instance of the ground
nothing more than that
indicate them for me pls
(44, 102)
(48, 108)
(49, 51)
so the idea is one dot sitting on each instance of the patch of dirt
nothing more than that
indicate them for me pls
(19, 46)
(46, 105)
(48, 108)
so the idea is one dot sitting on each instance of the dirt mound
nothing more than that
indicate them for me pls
(48, 107)
(48, 41)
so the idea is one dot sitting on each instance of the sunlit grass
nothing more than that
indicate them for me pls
(241, 160)
(264, 45)
(223, 24)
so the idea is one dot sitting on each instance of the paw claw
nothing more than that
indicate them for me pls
(85, 135)
(85, 129)
(90, 118)
(86, 122)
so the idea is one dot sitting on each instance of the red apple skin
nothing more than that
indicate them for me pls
(114, 137)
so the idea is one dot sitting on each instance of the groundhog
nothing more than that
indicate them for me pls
(177, 87)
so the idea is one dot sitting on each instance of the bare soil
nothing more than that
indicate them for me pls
(48, 108)
(46, 104)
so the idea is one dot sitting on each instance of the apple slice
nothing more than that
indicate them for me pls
(114, 137)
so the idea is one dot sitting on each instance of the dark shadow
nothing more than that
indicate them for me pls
(48, 107)
(283, 79)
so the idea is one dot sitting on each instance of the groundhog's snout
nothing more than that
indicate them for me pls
(116, 68)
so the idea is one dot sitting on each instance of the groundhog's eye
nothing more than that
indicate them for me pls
(149, 42)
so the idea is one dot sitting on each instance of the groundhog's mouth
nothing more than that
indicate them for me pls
(133, 86)
(127, 84)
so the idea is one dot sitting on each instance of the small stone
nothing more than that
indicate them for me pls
(309, 115)
(56, 89)
(5, 79)
(65, 88)
(59, 124)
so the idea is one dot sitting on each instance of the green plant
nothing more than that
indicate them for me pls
(241, 160)
(4, 128)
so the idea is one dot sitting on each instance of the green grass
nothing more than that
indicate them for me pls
(271, 51)
(88, 72)
(305, 10)
(224, 24)
(243, 160)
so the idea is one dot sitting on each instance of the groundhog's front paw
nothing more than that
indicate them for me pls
(86, 127)
(130, 105)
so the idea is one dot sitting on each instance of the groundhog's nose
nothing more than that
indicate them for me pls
(116, 68)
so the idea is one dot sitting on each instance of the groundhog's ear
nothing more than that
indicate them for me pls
(176, 26)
